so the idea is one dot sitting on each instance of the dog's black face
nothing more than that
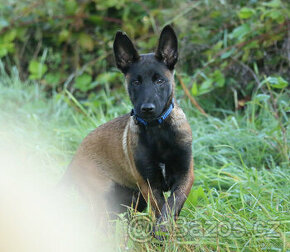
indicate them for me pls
(149, 86)
(149, 76)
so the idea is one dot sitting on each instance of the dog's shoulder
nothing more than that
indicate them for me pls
(180, 124)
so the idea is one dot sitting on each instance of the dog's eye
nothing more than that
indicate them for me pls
(136, 82)
(159, 81)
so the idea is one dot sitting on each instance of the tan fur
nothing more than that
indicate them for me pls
(106, 156)
(104, 167)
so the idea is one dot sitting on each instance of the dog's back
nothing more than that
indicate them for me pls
(100, 161)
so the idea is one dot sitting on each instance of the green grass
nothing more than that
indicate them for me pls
(241, 188)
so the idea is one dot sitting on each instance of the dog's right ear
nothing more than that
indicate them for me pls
(125, 52)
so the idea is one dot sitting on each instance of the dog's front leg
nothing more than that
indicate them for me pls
(154, 197)
(179, 192)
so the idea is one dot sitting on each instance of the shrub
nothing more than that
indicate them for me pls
(226, 48)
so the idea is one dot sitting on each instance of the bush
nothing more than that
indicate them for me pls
(226, 48)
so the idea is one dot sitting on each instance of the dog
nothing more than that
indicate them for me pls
(135, 158)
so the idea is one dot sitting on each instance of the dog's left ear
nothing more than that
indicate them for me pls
(167, 47)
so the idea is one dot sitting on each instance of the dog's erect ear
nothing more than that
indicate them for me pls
(125, 52)
(167, 47)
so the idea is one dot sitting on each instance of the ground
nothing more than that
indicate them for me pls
(240, 198)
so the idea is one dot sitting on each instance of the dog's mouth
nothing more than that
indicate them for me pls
(149, 116)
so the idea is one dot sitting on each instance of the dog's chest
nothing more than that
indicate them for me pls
(155, 149)
(160, 144)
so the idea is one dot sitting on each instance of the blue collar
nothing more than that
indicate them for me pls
(159, 120)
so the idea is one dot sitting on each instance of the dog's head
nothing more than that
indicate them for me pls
(149, 77)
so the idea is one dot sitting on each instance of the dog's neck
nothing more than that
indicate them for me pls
(159, 120)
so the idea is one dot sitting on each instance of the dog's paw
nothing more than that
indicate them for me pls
(161, 230)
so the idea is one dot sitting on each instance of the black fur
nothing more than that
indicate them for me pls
(121, 197)
(167, 47)
(125, 52)
(163, 155)
(147, 84)
(161, 145)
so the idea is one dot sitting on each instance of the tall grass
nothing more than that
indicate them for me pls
(240, 198)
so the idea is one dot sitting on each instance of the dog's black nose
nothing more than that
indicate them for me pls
(147, 108)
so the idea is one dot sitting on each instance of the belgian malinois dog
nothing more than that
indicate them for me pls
(137, 157)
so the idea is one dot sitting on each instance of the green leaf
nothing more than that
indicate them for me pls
(200, 192)
(3, 51)
(206, 86)
(86, 41)
(218, 78)
(63, 35)
(103, 5)
(246, 55)
(192, 198)
(215, 14)
(262, 97)
(107, 77)
(9, 36)
(6, 48)
(71, 6)
(194, 89)
(273, 4)
(83, 82)
(240, 31)
(195, 195)
(277, 82)
(246, 13)
(228, 53)
(53, 79)
(36, 69)
(253, 44)
(96, 19)
(276, 15)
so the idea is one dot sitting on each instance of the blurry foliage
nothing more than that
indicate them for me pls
(227, 48)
